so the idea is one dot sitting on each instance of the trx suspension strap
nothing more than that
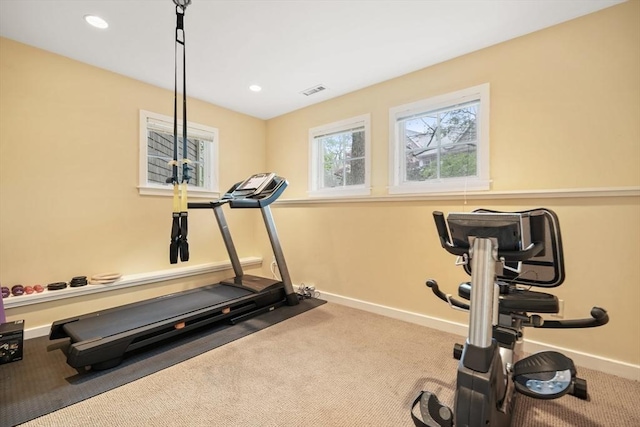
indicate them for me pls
(179, 227)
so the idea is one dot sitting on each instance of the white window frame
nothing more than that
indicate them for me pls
(397, 160)
(146, 188)
(316, 163)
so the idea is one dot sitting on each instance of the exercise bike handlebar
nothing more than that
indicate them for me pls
(454, 303)
(599, 317)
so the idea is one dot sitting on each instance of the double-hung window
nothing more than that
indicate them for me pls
(156, 151)
(340, 158)
(441, 144)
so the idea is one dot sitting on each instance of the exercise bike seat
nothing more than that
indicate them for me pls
(519, 300)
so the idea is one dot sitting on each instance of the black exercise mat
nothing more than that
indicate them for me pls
(43, 382)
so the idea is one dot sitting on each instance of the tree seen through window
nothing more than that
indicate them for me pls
(441, 144)
(343, 156)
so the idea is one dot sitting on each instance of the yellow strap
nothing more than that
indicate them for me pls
(183, 197)
(176, 198)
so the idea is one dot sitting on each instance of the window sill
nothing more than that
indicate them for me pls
(127, 282)
(441, 187)
(167, 191)
(340, 192)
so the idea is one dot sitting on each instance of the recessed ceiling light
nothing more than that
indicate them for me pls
(96, 21)
(255, 88)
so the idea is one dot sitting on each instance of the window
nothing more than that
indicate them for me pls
(156, 150)
(340, 158)
(441, 144)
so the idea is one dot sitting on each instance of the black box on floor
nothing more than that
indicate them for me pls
(11, 339)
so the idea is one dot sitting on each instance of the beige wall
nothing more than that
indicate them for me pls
(565, 113)
(69, 205)
(564, 108)
(565, 104)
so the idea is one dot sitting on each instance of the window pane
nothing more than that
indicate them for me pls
(339, 158)
(421, 170)
(441, 144)
(459, 125)
(459, 161)
(333, 159)
(355, 172)
(420, 133)
(421, 147)
(334, 150)
(356, 149)
(160, 152)
(332, 177)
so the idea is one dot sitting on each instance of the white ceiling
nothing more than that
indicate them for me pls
(284, 46)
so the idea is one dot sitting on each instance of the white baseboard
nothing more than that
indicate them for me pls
(38, 331)
(590, 361)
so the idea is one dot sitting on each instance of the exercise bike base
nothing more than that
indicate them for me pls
(434, 413)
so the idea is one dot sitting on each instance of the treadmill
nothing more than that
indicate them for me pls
(100, 340)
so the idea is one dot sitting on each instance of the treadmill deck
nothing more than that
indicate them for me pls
(125, 318)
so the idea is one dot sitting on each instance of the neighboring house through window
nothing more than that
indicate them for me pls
(441, 143)
(156, 150)
(340, 158)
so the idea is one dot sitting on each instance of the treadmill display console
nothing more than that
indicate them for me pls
(254, 184)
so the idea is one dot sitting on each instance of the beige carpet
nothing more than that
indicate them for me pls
(331, 366)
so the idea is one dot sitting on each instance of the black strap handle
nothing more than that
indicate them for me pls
(179, 246)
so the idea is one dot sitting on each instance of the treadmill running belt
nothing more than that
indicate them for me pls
(156, 310)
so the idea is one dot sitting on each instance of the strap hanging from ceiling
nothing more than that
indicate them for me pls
(179, 227)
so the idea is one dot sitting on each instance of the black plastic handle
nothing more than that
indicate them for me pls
(431, 283)
(599, 317)
(207, 205)
(441, 225)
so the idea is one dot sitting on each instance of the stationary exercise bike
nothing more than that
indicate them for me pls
(505, 254)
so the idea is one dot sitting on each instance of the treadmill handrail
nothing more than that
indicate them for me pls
(207, 205)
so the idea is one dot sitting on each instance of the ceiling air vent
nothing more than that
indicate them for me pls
(315, 89)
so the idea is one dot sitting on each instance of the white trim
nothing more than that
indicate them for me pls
(167, 190)
(341, 192)
(397, 183)
(447, 185)
(565, 193)
(363, 121)
(37, 331)
(590, 361)
(199, 130)
(394, 313)
(128, 281)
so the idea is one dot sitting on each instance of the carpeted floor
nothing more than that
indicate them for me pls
(330, 366)
(43, 382)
